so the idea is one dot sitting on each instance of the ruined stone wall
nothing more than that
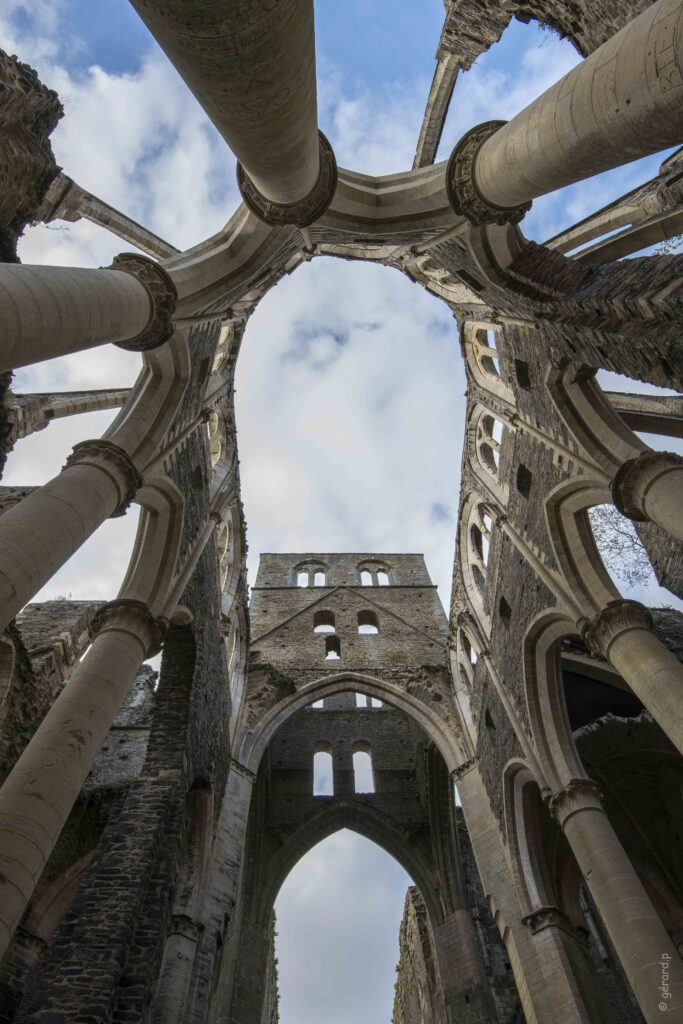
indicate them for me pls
(418, 998)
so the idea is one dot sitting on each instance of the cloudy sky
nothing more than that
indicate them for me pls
(350, 385)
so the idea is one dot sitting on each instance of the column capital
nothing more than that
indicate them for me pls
(463, 769)
(132, 616)
(634, 479)
(162, 296)
(303, 212)
(614, 620)
(549, 917)
(577, 795)
(461, 188)
(113, 460)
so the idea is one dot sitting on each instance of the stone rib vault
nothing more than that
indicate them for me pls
(144, 830)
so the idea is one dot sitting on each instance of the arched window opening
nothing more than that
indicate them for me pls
(373, 574)
(318, 704)
(368, 624)
(323, 771)
(224, 554)
(362, 700)
(319, 579)
(523, 480)
(366, 578)
(363, 777)
(375, 703)
(489, 436)
(222, 347)
(302, 579)
(488, 353)
(478, 578)
(332, 648)
(383, 578)
(469, 650)
(213, 430)
(323, 622)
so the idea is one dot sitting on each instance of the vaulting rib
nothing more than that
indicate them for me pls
(251, 65)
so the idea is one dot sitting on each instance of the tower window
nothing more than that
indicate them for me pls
(332, 648)
(383, 578)
(367, 623)
(323, 622)
(505, 611)
(363, 777)
(302, 579)
(366, 578)
(319, 579)
(323, 771)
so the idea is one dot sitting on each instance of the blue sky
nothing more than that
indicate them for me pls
(350, 385)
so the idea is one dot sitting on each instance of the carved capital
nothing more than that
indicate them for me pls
(113, 460)
(548, 917)
(305, 211)
(461, 188)
(463, 769)
(634, 479)
(577, 795)
(162, 296)
(133, 617)
(614, 620)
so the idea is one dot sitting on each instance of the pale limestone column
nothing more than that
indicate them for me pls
(252, 68)
(38, 535)
(52, 311)
(622, 102)
(41, 789)
(636, 930)
(622, 633)
(649, 488)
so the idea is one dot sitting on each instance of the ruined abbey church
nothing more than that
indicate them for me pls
(146, 825)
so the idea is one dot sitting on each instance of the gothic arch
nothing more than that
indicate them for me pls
(367, 823)
(254, 743)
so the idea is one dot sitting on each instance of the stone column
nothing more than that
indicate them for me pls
(41, 789)
(642, 943)
(52, 311)
(38, 535)
(252, 68)
(649, 488)
(622, 102)
(622, 633)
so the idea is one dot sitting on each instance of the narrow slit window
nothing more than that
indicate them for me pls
(332, 648)
(368, 624)
(505, 611)
(363, 777)
(323, 773)
(522, 374)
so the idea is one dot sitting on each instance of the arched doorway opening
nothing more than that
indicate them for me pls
(338, 916)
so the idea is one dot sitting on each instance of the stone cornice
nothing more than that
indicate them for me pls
(307, 210)
(162, 296)
(463, 194)
(614, 620)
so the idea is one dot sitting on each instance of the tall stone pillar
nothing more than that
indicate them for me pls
(41, 789)
(252, 68)
(52, 311)
(38, 535)
(647, 953)
(622, 102)
(622, 633)
(649, 488)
